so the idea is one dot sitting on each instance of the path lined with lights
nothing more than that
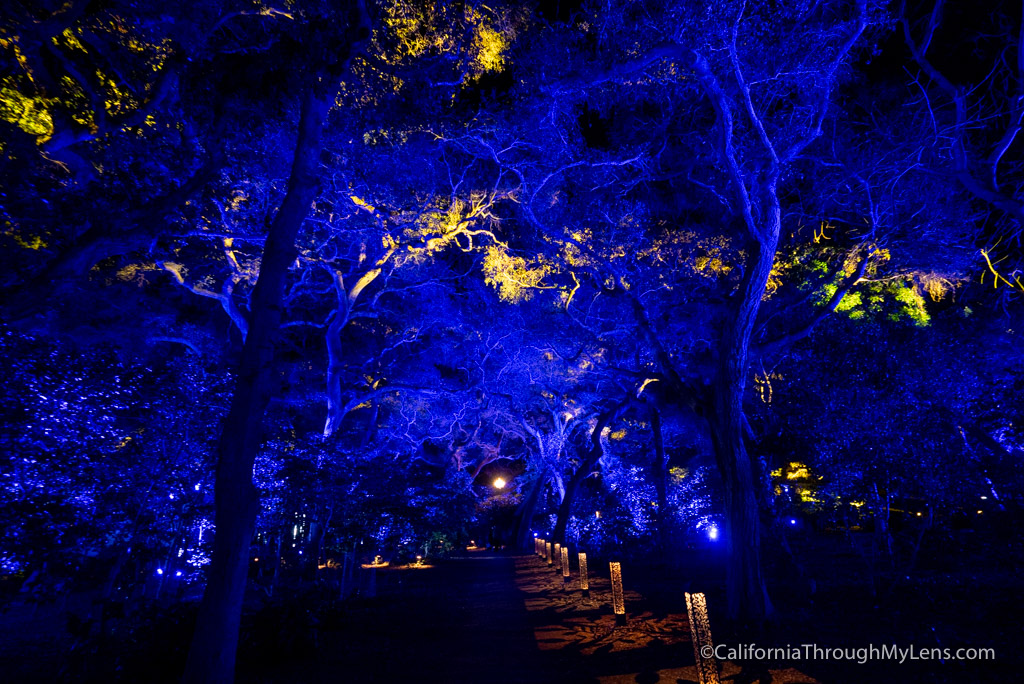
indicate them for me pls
(495, 617)
(610, 634)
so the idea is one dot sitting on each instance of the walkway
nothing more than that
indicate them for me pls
(490, 617)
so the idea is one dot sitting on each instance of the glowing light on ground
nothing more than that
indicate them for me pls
(700, 628)
(618, 600)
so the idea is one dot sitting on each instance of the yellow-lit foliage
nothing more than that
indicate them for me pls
(514, 277)
(937, 287)
(908, 294)
(677, 475)
(33, 113)
(362, 204)
(489, 48)
(573, 255)
(763, 384)
(412, 30)
(794, 471)
(33, 242)
(135, 272)
(898, 298)
(806, 495)
(30, 114)
(710, 257)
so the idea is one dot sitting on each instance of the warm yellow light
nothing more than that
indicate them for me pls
(499, 483)
(700, 634)
(618, 600)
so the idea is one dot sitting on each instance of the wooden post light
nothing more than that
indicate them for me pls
(558, 555)
(565, 566)
(618, 600)
(547, 552)
(584, 582)
(700, 629)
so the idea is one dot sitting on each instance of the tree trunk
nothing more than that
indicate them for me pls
(212, 654)
(586, 467)
(745, 589)
(660, 477)
(524, 519)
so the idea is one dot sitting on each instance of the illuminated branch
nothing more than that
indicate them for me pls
(987, 190)
(1016, 284)
(346, 302)
(726, 147)
(844, 289)
(226, 296)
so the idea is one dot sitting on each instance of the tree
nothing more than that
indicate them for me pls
(973, 145)
(212, 654)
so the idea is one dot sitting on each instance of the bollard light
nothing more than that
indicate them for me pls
(584, 582)
(700, 629)
(558, 554)
(618, 600)
(565, 563)
(547, 552)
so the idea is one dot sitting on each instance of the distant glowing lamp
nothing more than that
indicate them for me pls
(499, 483)
(713, 532)
(178, 574)
(159, 571)
(792, 521)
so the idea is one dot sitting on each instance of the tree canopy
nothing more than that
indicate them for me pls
(315, 273)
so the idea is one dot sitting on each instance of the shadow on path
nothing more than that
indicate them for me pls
(490, 617)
